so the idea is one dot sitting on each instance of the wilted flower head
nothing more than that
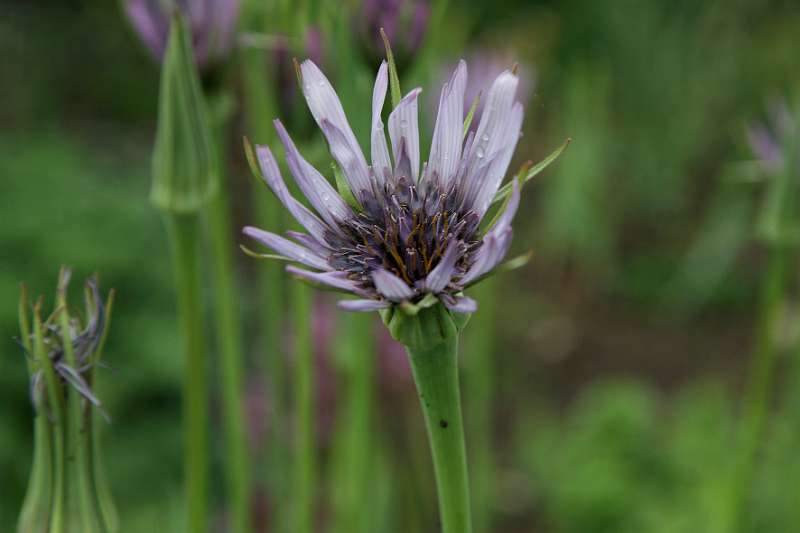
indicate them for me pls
(768, 140)
(410, 234)
(85, 338)
(404, 22)
(211, 23)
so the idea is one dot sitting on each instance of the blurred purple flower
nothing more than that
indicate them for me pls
(212, 24)
(485, 66)
(767, 140)
(404, 21)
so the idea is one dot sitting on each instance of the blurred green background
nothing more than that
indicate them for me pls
(618, 355)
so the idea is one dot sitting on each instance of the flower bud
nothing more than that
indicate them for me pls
(184, 163)
(67, 491)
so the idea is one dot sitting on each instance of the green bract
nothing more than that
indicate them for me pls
(423, 327)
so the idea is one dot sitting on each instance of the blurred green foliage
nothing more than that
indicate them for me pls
(645, 267)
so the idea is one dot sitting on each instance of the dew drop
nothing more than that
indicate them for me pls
(307, 86)
(479, 152)
(485, 138)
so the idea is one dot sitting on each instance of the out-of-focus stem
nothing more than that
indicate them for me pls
(478, 394)
(350, 485)
(259, 101)
(184, 234)
(303, 465)
(229, 341)
(436, 376)
(757, 398)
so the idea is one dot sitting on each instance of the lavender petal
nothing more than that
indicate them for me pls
(379, 149)
(404, 126)
(325, 199)
(287, 248)
(391, 287)
(272, 175)
(337, 280)
(440, 276)
(448, 131)
(362, 305)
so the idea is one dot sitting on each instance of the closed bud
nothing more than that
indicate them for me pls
(184, 162)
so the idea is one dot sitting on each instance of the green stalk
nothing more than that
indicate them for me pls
(107, 506)
(303, 475)
(259, 101)
(36, 507)
(231, 362)
(38, 499)
(184, 234)
(354, 461)
(56, 406)
(82, 508)
(480, 374)
(435, 371)
(758, 395)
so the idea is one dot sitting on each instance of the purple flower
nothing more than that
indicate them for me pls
(404, 21)
(410, 234)
(767, 140)
(212, 24)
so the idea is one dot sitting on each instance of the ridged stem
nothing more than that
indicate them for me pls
(303, 465)
(82, 508)
(435, 371)
(35, 513)
(184, 234)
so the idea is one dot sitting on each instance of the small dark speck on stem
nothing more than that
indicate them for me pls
(443, 423)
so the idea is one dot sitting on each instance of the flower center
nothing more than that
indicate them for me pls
(404, 229)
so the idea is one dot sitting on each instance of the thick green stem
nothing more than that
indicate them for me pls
(231, 361)
(302, 518)
(435, 371)
(184, 233)
(758, 394)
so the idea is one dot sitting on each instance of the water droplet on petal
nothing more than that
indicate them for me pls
(479, 152)
(485, 138)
